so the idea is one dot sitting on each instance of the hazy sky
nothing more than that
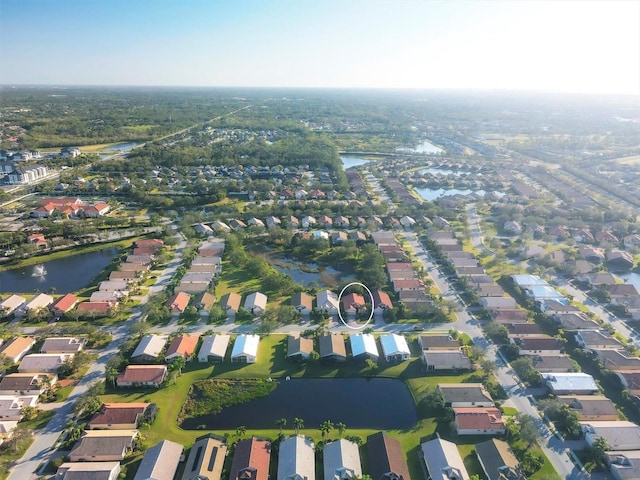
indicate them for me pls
(566, 46)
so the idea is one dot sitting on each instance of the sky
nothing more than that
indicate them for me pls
(557, 46)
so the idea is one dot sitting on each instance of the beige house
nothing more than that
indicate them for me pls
(206, 459)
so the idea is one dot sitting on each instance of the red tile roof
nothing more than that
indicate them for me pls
(353, 300)
(183, 345)
(251, 460)
(178, 302)
(475, 418)
(93, 307)
(65, 303)
(142, 374)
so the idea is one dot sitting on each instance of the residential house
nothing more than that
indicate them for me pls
(352, 304)
(63, 345)
(575, 321)
(630, 379)
(619, 260)
(363, 346)
(11, 304)
(617, 359)
(16, 348)
(64, 304)
(542, 345)
(11, 406)
(149, 349)
(26, 383)
(386, 458)
(44, 362)
(576, 383)
(40, 301)
(255, 303)
(273, 222)
(332, 348)
(600, 339)
(464, 395)
(230, 303)
(206, 459)
(445, 360)
(178, 303)
(327, 302)
(121, 416)
(251, 460)
(590, 407)
(478, 421)
(497, 303)
(103, 446)
(299, 348)
(395, 347)
(160, 462)
(624, 465)
(111, 298)
(182, 346)
(94, 309)
(204, 303)
(296, 459)
(121, 286)
(341, 460)
(619, 434)
(142, 376)
(438, 342)
(88, 470)
(442, 460)
(498, 461)
(213, 348)
(302, 302)
(245, 349)
(553, 364)
(381, 302)
(521, 330)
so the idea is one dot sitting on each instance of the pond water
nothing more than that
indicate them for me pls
(432, 194)
(376, 403)
(122, 146)
(348, 162)
(66, 275)
(632, 278)
(423, 147)
(323, 276)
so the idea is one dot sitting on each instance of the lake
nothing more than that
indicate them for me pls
(423, 147)
(326, 277)
(632, 278)
(432, 194)
(348, 162)
(376, 403)
(66, 275)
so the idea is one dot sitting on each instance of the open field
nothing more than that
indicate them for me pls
(633, 160)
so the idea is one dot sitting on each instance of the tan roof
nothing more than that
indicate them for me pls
(231, 301)
(206, 458)
(15, 347)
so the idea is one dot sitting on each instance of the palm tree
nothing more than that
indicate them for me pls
(341, 428)
(281, 424)
(240, 432)
(325, 428)
(298, 424)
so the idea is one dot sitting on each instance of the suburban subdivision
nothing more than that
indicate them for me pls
(319, 286)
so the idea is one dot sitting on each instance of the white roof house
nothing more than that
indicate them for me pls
(364, 345)
(43, 362)
(395, 347)
(109, 297)
(255, 302)
(341, 460)
(245, 349)
(570, 382)
(42, 300)
(296, 459)
(619, 434)
(213, 348)
(149, 348)
(528, 281)
(11, 304)
(11, 406)
(114, 286)
(443, 461)
(327, 301)
(94, 470)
